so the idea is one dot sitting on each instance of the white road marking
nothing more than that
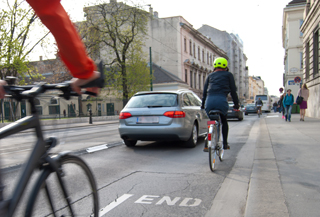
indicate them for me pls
(115, 203)
(97, 148)
(272, 116)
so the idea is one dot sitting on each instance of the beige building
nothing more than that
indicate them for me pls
(233, 46)
(256, 87)
(310, 29)
(292, 40)
(180, 49)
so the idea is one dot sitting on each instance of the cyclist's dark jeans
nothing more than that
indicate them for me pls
(225, 129)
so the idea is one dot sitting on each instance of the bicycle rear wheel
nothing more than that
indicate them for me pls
(48, 199)
(212, 148)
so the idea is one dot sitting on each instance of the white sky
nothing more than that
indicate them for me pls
(257, 22)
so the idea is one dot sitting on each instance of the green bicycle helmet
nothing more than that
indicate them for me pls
(220, 62)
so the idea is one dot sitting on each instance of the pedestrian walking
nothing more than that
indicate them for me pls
(275, 105)
(287, 104)
(303, 92)
(64, 113)
(280, 105)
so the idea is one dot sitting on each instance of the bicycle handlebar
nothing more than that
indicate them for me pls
(32, 91)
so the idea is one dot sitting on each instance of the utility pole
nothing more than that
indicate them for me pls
(151, 70)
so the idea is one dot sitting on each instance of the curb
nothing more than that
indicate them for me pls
(231, 198)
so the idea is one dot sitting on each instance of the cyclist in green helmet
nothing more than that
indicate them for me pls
(217, 86)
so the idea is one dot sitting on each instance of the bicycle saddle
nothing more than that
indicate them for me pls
(215, 115)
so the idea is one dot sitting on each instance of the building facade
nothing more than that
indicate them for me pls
(292, 41)
(182, 50)
(256, 87)
(311, 76)
(237, 60)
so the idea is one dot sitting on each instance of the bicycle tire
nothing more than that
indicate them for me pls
(80, 197)
(212, 149)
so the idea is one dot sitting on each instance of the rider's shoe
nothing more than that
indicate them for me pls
(226, 146)
(205, 149)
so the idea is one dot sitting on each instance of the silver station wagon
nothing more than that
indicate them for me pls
(163, 116)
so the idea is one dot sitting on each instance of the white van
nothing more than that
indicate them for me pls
(267, 105)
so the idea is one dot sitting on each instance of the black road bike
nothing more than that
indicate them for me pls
(53, 193)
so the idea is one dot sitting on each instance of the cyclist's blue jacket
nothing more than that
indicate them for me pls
(288, 100)
(217, 87)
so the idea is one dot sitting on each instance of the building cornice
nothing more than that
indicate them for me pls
(204, 39)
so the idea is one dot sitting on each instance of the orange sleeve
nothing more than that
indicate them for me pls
(71, 49)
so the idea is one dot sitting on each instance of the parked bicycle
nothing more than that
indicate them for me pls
(54, 193)
(214, 138)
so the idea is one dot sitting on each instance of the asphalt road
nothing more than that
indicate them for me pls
(151, 179)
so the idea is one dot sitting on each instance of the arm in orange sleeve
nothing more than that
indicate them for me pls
(71, 48)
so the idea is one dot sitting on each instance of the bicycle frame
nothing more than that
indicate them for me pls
(38, 151)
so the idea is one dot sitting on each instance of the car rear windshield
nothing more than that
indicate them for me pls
(153, 100)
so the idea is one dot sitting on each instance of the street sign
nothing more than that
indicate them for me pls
(297, 79)
(291, 82)
(280, 89)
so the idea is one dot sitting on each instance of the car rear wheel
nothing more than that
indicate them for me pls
(130, 143)
(192, 141)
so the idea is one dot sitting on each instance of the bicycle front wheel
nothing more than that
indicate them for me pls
(212, 148)
(75, 195)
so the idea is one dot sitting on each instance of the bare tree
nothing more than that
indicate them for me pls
(109, 32)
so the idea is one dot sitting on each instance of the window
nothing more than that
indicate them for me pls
(185, 44)
(191, 80)
(194, 50)
(53, 101)
(301, 22)
(186, 76)
(186, 101)
(315, 53)
(195, 80)
(194, 101)
(203, 56)
(199, 79)
(39, 110)
(153, 100)
(301, 60)
(190, 47)
(199, 53)
(54, 109)
(208, 58)
(307, 60)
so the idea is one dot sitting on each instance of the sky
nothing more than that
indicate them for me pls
(257, 22)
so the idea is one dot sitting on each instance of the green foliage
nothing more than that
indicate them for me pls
(16, 22)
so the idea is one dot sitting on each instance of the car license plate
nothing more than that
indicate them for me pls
(148, 120)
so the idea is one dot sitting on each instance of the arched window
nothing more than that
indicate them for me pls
(53, 101)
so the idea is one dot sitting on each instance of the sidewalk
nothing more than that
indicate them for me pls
(277, 171)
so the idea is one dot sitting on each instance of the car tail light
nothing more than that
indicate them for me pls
(124, 115)
(175, 114)
(209, 136)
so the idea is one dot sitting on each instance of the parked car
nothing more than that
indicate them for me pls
(234, 113)
(163, 116)
(250, 109)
